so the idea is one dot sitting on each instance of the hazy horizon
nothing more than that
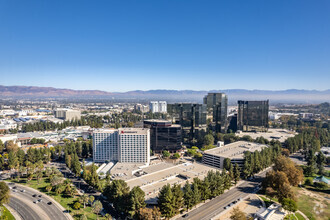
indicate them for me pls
(120, 46)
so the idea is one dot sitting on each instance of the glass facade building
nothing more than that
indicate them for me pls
(217, 105)
(190, 116)
(164, 135)
(252, 115)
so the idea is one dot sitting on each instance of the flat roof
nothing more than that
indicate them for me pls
(271, 134)
(159, 174)
(235, 150)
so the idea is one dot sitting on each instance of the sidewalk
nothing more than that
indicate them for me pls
(13, 212)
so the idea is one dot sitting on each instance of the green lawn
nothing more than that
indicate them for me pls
(6, 215)
(299, 216)
(66, 202)
(307, 205)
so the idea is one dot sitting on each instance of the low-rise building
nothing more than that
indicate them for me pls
(235, 152)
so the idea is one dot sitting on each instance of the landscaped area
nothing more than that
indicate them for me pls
(314, 205)
(5, 214)
(65, 201)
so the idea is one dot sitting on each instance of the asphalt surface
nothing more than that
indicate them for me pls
(218, 204)
(23, 210)
(23, 204)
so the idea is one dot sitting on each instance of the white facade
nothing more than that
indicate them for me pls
(105, 146)
(125, 145)
(162, 106)
(156, 106)
(134, 145)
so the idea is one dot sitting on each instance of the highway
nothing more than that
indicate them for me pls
(23, 203)
(218, 204)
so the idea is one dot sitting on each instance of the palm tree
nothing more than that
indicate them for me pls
(84, 199)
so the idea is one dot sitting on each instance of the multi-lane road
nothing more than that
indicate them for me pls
(23, 201)
(217, 205)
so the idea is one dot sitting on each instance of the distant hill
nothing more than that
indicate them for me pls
(282, 96)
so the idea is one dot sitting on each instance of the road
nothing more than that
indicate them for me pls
(218, 204)
(23, 203)
(83, 187)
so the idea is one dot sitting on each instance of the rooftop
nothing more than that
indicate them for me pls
(235, 150)
(271, 134)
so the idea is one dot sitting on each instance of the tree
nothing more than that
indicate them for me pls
(49, 188)
(320, 160)
(178, 197)
(308, 182)
(227, 163)
(295, 174)
(76, 205)
(166, 202)
(108, 216)
(83, 217)
(91, 199)
(11, 147)
(136, 197)
(237, 173)
(84, 199)
(237, 214)
(2, 146)
(208, 139)
(176, 156)
(270, 193)
(97, 207)
(196, 193)
(289, 204)
(188, 196)
(117, 193)
(4, 193)
(166, 154)
(148, 213)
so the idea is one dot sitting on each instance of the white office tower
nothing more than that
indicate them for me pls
(134, 145)
(154, 106)
(162, 106)
(125, 145)
(105, 145)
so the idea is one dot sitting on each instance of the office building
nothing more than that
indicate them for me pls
(252, 115)
(142, 108)
(105, 146)
(67, 114)
(164, 135)
(154, 106)
(162, 106)
(125, 145)
(217, 104)
(191, 117)
(158, 106)
(235, 152)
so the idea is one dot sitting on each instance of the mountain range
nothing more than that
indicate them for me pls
(280, 96)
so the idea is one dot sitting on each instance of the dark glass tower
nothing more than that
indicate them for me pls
(217, 105)
(190, 116)
(164, 135)
(252, 115)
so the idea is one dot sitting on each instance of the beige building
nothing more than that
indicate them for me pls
(234, 151)
(67, 114)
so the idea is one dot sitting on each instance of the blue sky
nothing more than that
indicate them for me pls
(165, 44)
